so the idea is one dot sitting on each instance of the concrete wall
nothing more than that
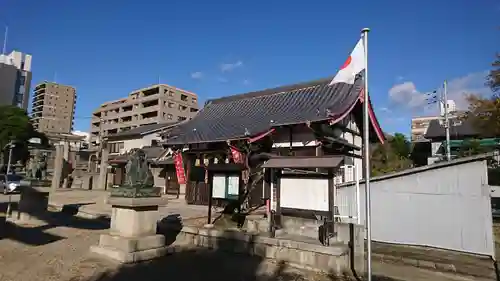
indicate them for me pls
(8, 76)
(444, 206)
(15, 79)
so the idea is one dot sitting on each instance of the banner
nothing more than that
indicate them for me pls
(179, 168)
(236, 154)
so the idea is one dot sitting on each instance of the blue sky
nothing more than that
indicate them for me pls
(108, 48)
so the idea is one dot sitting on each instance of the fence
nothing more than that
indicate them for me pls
(445, 205)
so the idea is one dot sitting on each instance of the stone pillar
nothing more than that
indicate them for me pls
(58, 164)
(32, 206)
(132, 236)
(103, 171)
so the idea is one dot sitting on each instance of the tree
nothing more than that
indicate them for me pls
(15, 125)
(400, 145)
(470, 147)
(494, 77)
(392, 156)
(484, 114)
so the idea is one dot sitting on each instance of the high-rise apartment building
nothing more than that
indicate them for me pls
(419, 126)
(15, 79)
(156, 104)
(53, 108)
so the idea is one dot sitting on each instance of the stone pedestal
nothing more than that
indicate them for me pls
(32, 206)
(132, 236)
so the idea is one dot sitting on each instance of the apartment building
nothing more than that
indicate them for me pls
(419, 126)
(53, 108)
(15, 79)
(156, 104)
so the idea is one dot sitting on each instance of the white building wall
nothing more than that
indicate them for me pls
(137, 143)
(452, 213)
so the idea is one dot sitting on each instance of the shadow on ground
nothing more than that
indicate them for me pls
(35, 234)
(208, 265)
(218, 263)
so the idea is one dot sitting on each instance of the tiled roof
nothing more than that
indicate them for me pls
(142, 130)
(457, 130)
(246, 115)
(152, 152)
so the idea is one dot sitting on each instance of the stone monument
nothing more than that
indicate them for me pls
(134, 216)
(34, 200)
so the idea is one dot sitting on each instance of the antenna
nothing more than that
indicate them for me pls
(159, 79)
(4, 50)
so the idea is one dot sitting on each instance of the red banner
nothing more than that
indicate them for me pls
(179, 168)
(236, 154)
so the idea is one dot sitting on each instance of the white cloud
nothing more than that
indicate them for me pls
(227, 67)
(246, 82)
(83, 134)
(197, 75)
(407, 94)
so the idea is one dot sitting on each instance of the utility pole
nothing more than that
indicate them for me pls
(446, 120)
(11, 146)
(4, 49)
(103, 153)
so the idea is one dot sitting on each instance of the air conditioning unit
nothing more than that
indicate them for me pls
(123, 151)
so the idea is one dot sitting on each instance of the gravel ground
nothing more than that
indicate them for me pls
(59, 252)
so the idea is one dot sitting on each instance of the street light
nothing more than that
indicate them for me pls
(11, 145)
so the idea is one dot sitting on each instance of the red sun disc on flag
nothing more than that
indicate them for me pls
(346, 63)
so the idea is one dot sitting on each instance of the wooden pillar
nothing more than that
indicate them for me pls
(66, 164)
(277, 219)
(103, 171)
(58, 164)
(331, 208)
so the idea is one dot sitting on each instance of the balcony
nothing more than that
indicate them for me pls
(40, 87)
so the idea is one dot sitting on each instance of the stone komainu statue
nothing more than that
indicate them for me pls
(139, 181)
(137, 173)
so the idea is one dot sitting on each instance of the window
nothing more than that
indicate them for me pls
(171, 105)
(184, 97)
(116, 147)
(181, 118)
(169, 116)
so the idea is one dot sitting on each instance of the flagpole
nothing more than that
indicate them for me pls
(366, 146)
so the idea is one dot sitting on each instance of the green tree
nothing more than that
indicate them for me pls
(392, 156)
(400, 145)
(470, 147)
(494, 77)
(15, 125)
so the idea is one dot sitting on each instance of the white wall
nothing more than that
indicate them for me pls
(138, 142)
(446, 208)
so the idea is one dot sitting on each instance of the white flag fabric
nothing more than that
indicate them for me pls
(353, 66)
